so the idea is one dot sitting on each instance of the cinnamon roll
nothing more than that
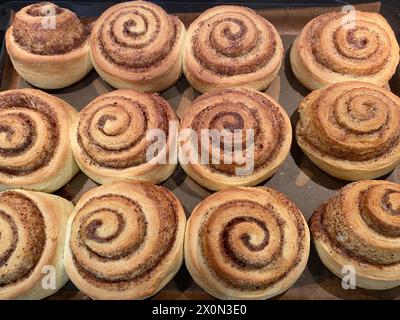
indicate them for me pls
(340, 46)
(35, 149)
(359, 228)
(246, 243)
(32, 234)
(138, 45)
(231, 46)
(49, 46)
(125, 240)
(233, 137)
(112, 137)
(351, 130)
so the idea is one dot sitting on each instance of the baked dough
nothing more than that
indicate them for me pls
(261, 146)
(138, 45)
(35, 149)
(231, 46)
(125, 240)
(339, 46)
(32, 229)
(360, 228)
(111, 137)
(351, 130)
(49, 46)
(246, 243)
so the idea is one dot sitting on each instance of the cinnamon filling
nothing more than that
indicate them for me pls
(361, 50)
(339, 234)
(232, 252)
(358, 124)
(124, 145)
(18, 109)
(139, 271)
(28, 237)
(229, 116)
(229, 52)
(120, 50)
(53, 31)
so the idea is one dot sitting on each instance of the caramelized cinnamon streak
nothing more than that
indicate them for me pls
(89, 226)
(43, 9)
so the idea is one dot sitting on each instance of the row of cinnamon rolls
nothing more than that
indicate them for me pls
(124, 240)
(225, 138)
(138, 45)
(127, 240)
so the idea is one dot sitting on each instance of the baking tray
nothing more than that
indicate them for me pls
(298, 178)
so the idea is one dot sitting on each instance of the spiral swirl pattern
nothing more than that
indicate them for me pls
(23, 237)
(353, 122)
(110, 138)
(31, 141)
(361, 226)
(246, 243)
(356, 46)
(125, 240)
(21, 119)
(142, 30)
(32, 231)
(46, 29)
(232, 46)
(225, 111)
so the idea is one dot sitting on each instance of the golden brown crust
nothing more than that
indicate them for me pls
(351, 130)
(125, 240)
(360, 227)
(48, 46)
(246, 243)
(32, 228)
(235, 109)
(110, 137)
(339, 46)
(35, 149)
(231, 46)
(146, 32)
